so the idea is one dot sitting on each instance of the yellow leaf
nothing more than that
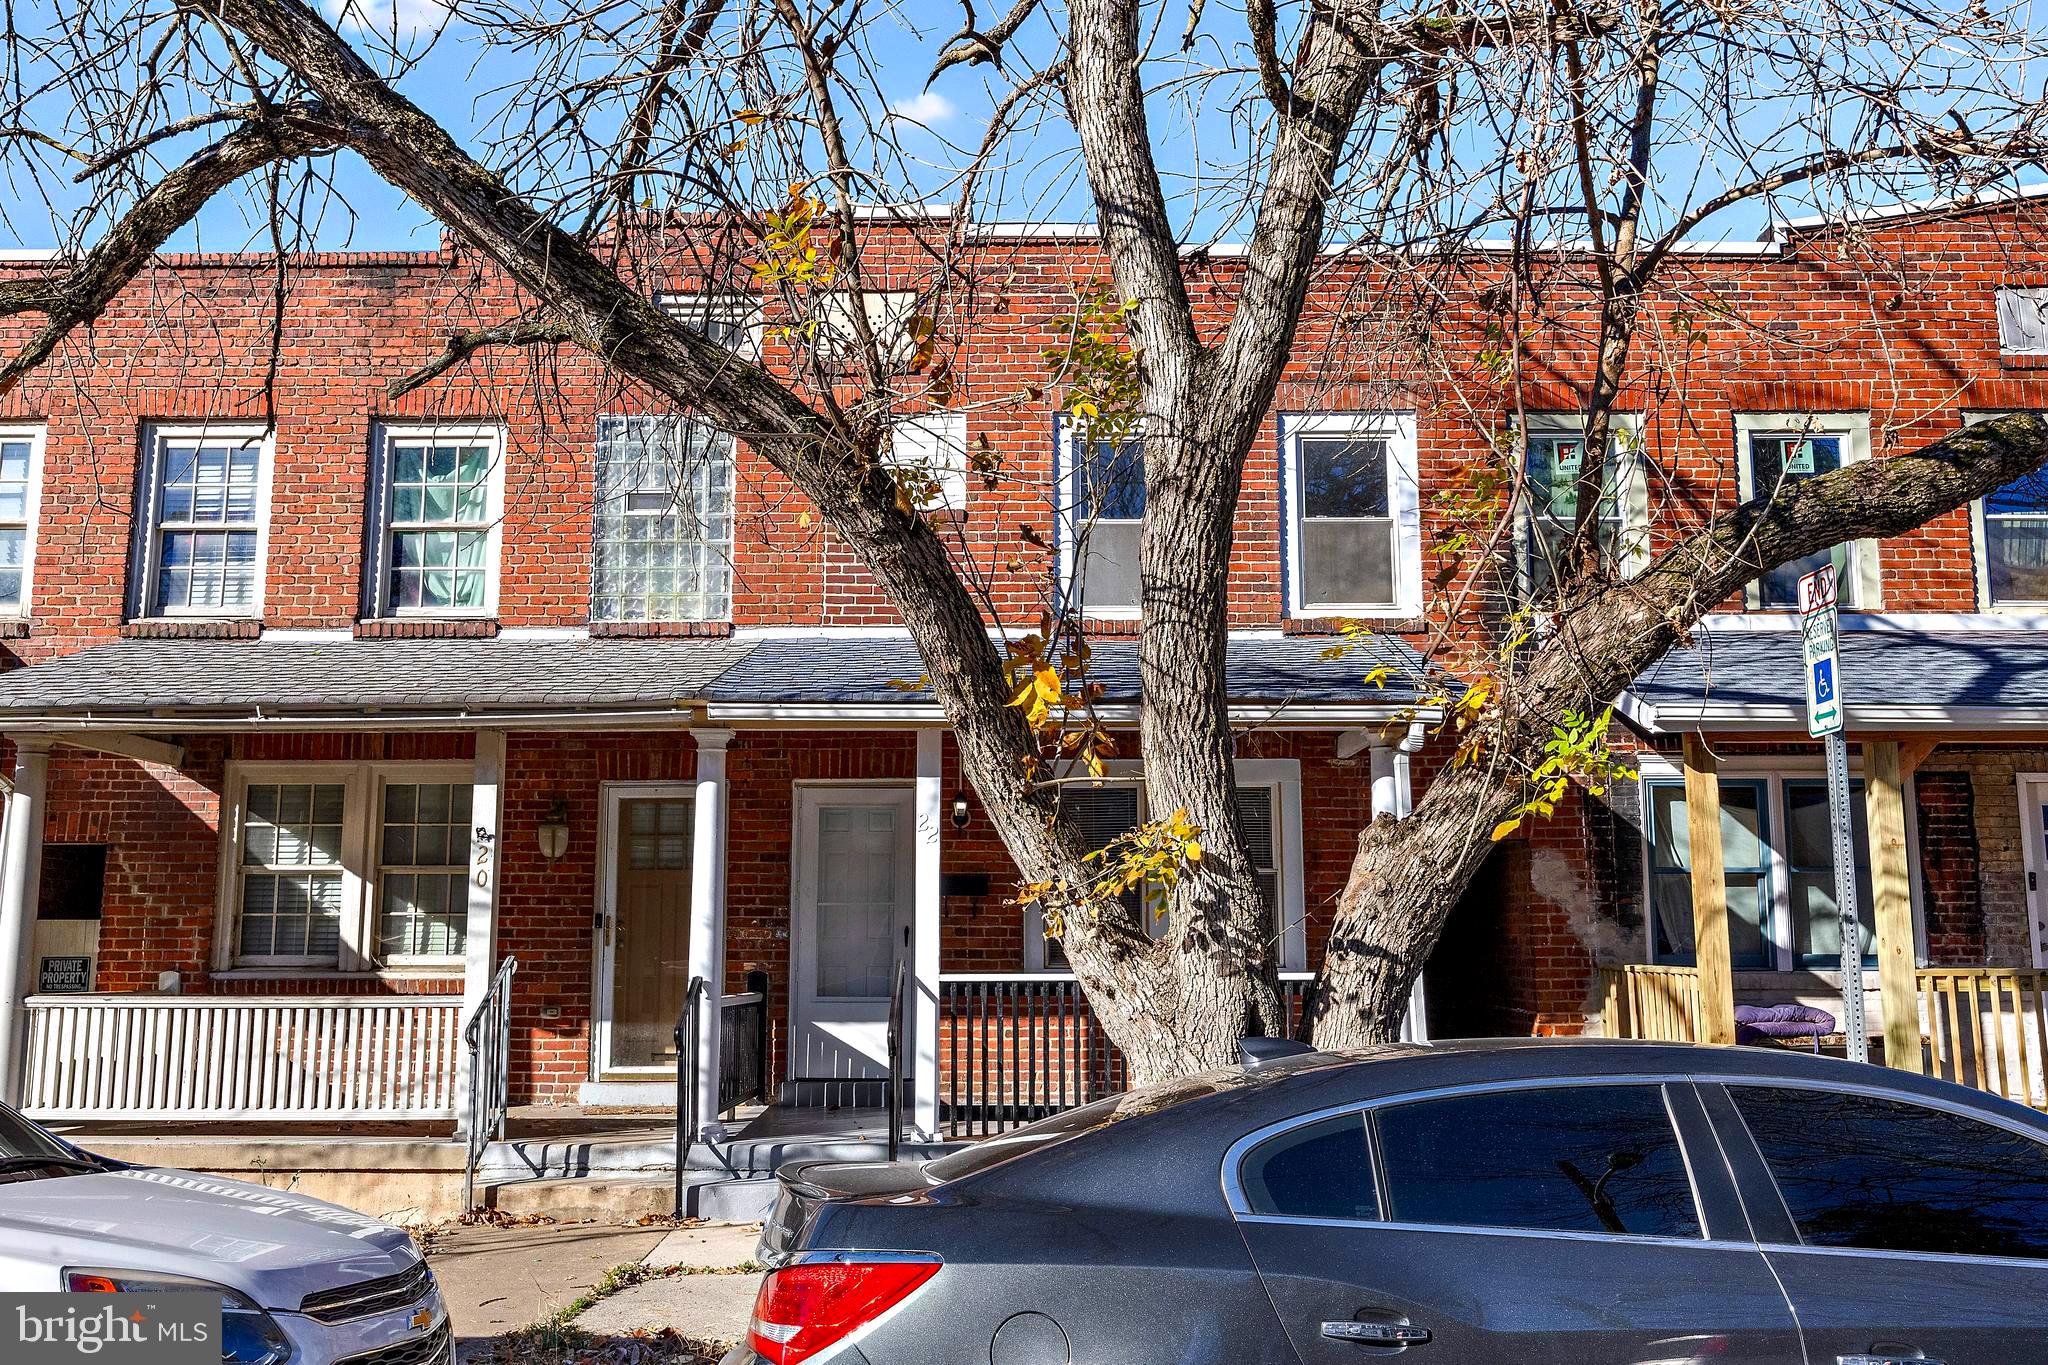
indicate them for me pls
(803, 519)
(1047, 681)
(1192, 850)
(751, 117)
(1506, 827)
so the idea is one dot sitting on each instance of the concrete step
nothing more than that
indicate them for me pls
(835, 1092)
(644, 1158)
(719, 1199)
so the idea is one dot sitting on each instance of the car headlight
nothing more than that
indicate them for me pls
(248, 1335)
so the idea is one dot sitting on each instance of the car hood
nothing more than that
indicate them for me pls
(273, 1246)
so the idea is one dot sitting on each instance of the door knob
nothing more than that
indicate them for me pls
(1385, 1334)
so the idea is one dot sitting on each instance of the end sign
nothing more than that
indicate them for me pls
(1818, 622)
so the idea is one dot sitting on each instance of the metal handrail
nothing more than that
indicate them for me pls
(896, 1063)
(488, 1036)
(689, 1039)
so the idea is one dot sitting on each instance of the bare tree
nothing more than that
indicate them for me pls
(755, 145)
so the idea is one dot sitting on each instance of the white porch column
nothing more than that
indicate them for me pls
(1393, 794)
(707, 910)
(487, 861)
(21, 873)
(921, 1003)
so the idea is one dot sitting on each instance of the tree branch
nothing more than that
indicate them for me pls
(462, 345)
(973, 47)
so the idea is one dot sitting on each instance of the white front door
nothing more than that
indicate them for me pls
(2034, 845)
(853, 916)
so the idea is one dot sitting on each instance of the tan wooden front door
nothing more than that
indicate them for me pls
(650, 931)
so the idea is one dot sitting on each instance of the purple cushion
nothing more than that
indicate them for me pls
(1753, 1023)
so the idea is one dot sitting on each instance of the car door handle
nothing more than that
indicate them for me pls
(1381, 1333)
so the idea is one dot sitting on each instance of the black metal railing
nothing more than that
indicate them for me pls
(895, 1095)
(487, 1034)
(1014, 1049)
(743, 1045)
(689, 1031)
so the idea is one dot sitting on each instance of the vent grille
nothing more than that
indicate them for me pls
(368, 1297)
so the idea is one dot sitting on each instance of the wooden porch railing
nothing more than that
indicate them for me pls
(1987, 1027)
(1017, 1047)
(241, 1057)
(1653, 1003)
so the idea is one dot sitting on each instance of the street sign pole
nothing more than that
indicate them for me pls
(1820, 630)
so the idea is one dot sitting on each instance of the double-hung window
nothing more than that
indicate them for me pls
(1103, 522)
(1779, 450)
(1268, 794)
(1556, 457)
(2012, 540)
(439, 495)
(200, 548)
(1353, 533)
(346, 866)
(663, 548)
(1778, 851)
(21, 450)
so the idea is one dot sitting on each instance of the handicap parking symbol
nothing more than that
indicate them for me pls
(1823, 680)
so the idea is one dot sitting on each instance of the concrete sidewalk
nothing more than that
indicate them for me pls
(710, 1305)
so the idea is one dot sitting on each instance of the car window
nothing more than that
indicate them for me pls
(1888, 1175)
(1571, 1159)
(1320, 1170)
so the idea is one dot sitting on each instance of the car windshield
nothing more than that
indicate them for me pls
(22, 1142)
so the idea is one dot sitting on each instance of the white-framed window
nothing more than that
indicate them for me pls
(2023, 321)
(345, 866)
(732, 320)
(1353, 530)
(204, 531)
(1777, 449)
(1268, 805)
(1554, 454)
(888, 313)
(663, 543)
(1101, 520)
(1777, 848)
(21, 472)
(438, 496)
(931, 451)
(2010, 529)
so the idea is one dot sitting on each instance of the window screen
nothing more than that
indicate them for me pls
(1887, 1175)
(1109, 510)
(1322, 1170)
(1347, 529)
(1600, 1159)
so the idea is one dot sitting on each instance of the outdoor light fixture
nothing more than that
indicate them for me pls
(553, 832)
(959, 810)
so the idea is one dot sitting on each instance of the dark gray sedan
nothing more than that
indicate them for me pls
(1464, 1204)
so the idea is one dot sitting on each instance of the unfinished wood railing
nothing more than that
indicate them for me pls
(1987, 1028)
(1652, 1003)
(241, 1057)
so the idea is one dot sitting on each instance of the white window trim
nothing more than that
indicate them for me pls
(143, 553)
(1980, 543)
(362, 824)
(1854, 429)
(1067, 514)
(692, 308)
(1773, 770)
(377, 563)
(1282, 776)
(31, 512)
(2006, 301)
(1403, 507)
(1633, 475)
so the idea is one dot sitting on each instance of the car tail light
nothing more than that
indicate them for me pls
(802, 1309)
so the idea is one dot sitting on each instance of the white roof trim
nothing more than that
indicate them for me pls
(1269, 715)
(1878, 213)
(1687, 717)
(1881, 622)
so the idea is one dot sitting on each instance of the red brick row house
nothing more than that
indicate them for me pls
(314, 721)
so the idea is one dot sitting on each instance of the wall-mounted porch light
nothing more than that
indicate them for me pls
(959, 810)
(553, 832)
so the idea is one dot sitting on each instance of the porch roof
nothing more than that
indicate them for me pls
(1890, 679)
(418, 679)
(1276, 670)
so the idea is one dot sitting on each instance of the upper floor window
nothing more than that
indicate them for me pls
(1354, 543)
(663, 550)
(2012, 539)
(929, 453)
(200, 550)
(1778, 450)
(346, 865)
(21, 452)
(726, 319)
(1556, 462)
(888, 314)
(438, 500)
(2023, 321)
(1105, 512)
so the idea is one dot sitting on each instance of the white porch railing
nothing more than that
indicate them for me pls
(241, 1057)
